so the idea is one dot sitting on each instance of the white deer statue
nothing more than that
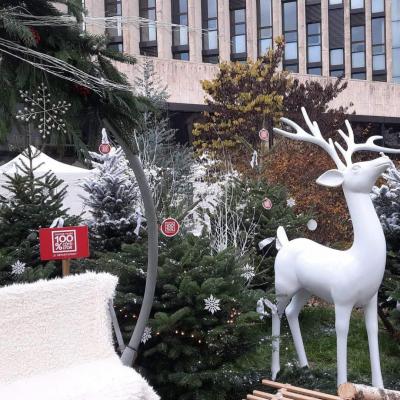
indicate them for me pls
(349, 278)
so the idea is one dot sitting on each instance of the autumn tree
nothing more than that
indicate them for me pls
(243, 98)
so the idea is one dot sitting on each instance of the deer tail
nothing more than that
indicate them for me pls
(281, 238)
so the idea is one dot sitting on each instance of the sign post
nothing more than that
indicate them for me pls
(64, 244)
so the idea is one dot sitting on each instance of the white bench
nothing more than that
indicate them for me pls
(56, 343)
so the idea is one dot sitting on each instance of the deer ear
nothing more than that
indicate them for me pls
(331, 178)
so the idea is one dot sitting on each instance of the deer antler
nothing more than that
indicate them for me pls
(353, 147)
(315, 137)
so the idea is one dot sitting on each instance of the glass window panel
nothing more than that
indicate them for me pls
(315, 39)
(291, 51)
(378, 50)
(357, 33)
(265, 45)
(265, 12)
(358, 75)
(314, 29)
(396, 34)
(182, 6)
(212, 8)
(212, 24)
(211, 59)
(212, 40)
(395, 10)
(334, 2)
(378, 63)
(314, 54)
(239, 44)
(314, 71)
(336, 56)
(378, 6)
(290, 37)
(378, 30)
(183, 19)
(358, 60)
(396, 63)
(337, 72)
(357, 4)
(266, 32)
(357, 47)
(240, 29)
(152, 32)
(292, 68)
(239, 16)
(290, 16)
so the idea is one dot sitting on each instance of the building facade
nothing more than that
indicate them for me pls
(324, 39)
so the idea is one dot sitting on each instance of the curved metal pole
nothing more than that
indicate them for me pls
(130, 352)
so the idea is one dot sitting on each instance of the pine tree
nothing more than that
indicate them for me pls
(387, 203)
(112, 199)
(35, 200)
(203, 326)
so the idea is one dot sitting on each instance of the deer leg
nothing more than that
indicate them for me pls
(282, 302)
(342, 321)
(292, 315)
(371, 323)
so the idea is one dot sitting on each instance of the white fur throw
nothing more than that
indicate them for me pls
(56, 343)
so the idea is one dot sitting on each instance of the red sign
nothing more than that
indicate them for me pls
(104, 148)
(170, 227)
(267, 203)
(64, 243)
(263, 134)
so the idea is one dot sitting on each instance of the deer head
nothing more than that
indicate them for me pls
(354, 177)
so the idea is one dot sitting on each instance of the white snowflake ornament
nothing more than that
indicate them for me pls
(146, 334)
(248, 272)
(47, 115)
(212, 304)
(18, 268)
(291, 202)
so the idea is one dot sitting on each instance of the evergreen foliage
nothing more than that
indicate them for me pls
(35, 201)
(112, 197)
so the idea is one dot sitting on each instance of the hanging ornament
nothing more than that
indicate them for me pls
(36, 35)
(248, 272)
(267, 203)
(312, 225)
(170, 227)
(291, 202)
(212, 304)
(146, 334)
(254, 159)
(104, 147)
(18, 268)
(263, 134)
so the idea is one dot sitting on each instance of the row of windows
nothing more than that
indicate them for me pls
(180, 34)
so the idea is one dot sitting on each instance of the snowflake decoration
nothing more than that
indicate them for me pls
(212, 304)
(18, 268)
(248, 272)
(45, 192)
(40, 108)
(146, 334)
(291, 202)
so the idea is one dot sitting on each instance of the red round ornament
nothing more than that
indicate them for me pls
(104, 148)
(267, 203)
(170, 227)
(263, 134)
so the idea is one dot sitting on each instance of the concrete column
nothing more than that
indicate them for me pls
(368, 40)
(251, 29)
(164, 33)
(224, 31)
(130, 32)
(301, 29)
(347, 39)
(195, 33)
(276, 18)
(325, 37)
(388, 26)
(95, 8)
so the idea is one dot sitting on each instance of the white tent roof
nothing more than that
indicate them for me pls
(71, 175)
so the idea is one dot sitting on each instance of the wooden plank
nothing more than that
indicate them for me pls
(252, 397)
(295, 389)
(264, 395)
(296, 396)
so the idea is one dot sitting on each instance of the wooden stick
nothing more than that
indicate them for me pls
(295, 389)
(252, 397)
(264, 395)
(352, 391)
(66, 267)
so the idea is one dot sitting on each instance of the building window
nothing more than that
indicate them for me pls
(148, 29)
(378, 49)
(357, 4)
(264, 23)
(335, 2)
(238, 32)
(336, 61)
(358, 51)
(209, 10)
(113, 8)
(180, 35)
(289, 13)
(377, 6)
(313, 45)
(396, 40)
